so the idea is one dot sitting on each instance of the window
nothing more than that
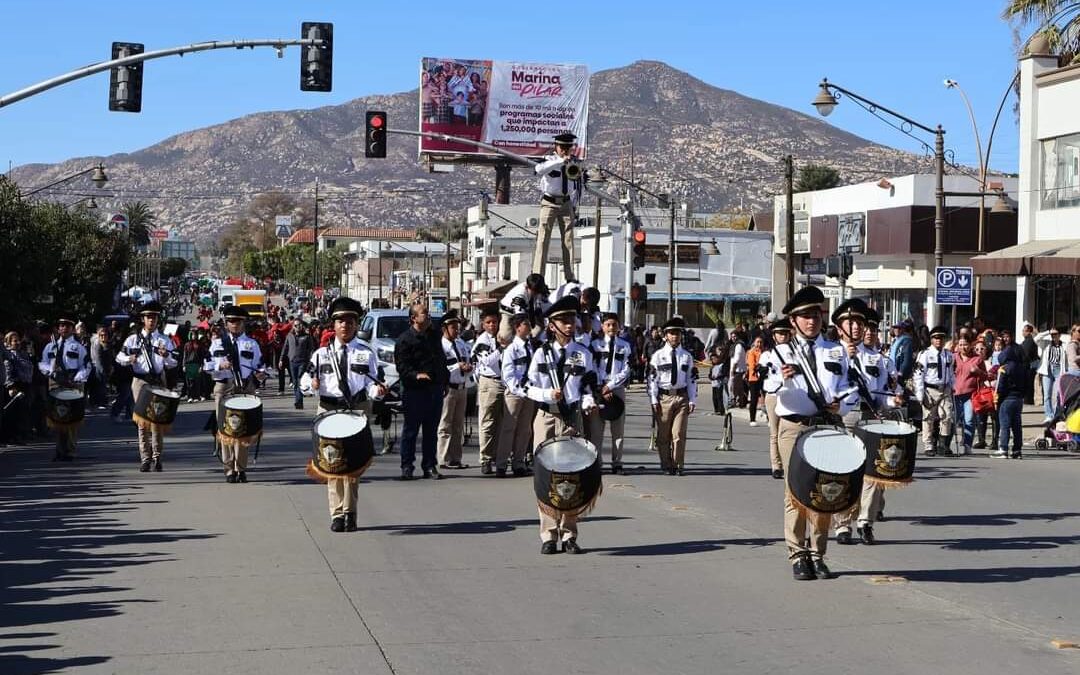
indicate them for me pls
(1061, 172)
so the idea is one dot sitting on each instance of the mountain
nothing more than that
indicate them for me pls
(719, 148)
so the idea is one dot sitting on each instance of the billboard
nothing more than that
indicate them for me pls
(511, 105)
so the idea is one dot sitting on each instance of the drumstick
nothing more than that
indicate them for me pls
(14, 398)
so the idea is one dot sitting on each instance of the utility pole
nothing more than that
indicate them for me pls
(315, 262)
(671, 258)
(789, 225)
(629, 225)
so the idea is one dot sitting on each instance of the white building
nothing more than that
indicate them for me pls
(1044, 265)
(386, 273)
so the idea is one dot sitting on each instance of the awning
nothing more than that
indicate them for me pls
(1040, 257)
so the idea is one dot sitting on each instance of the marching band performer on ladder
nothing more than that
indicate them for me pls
(611, 354)
(673, 395)
(560, 187)
(530, 298)
(235, 363)
(345, 375)
(560, 379)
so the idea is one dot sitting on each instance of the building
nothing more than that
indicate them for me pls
(1043, 267)
(387, 273)
(719, 272)
(329, 237)
(888, 226)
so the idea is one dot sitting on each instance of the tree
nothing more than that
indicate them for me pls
(1058, 20)
(172, 268)
(817, 177)
(140, 221)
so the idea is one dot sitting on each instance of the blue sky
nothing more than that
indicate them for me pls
(895, 53)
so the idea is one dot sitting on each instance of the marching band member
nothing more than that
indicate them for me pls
(560, 192)
(65, 363)
(673, 395)
(530, 298)
(149, 353)
(611, 354)
(934, 376)
(346, 376)
(814, 373)
(781, 334)
(452, 422)
(490, 390)
(235, 362)
(519, 410)
(559, 379)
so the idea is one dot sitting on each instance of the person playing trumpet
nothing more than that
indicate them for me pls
(560, 185)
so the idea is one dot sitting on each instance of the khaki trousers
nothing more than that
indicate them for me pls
(515, 431)
(489, 402)
(871, 502)
(937, 405)
(151, 443)
(452, 426)
(565, 526)
(234, 455)
(618, 427)
(796, 525)
(342, 492)
(774, 432)
(65, 438)
(671, 429)
(549, 215)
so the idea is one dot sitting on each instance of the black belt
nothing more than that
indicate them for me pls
(455, 386)
(805, 420)
(492, 377)
(673, 392)
(556, 199)
(937, 387)
(339, 402)
(146, 378)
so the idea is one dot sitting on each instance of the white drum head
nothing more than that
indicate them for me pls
(166, 393)
(243, 402)
(340, 425)
(832, 450)
(566, 455)
(66, 394)
(887, 427)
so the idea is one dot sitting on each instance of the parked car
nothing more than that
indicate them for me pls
(380, 329)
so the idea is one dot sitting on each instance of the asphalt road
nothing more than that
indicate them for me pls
(107, 570)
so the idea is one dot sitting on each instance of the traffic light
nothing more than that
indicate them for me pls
(316, 62)
(375, 137)
(125, 82)
(639, 249)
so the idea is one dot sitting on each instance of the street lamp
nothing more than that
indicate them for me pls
(97, 176)
(828, 97)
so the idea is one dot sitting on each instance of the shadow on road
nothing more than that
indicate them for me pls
(986, 518)
(989, 575)
(684, 547)
(471, 527)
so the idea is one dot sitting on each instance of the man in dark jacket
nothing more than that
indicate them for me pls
(1012, 378)
(421, 367)
(295, 354)
(1031, 359)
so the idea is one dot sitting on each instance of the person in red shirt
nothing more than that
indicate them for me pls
(970, 374)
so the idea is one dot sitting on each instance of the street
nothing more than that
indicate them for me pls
(107, 570)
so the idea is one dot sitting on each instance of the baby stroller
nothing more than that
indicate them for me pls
(1057, 433)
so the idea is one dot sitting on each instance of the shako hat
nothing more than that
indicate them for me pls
(152, 307)
(234, 312)
(675, 324)
(939, 331)
(451, 316)
(805, 298)
(567, 305)
(343, 307)
(855, 308)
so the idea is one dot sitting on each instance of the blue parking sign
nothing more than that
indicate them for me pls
(954, 286)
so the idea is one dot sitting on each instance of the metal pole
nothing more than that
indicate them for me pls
(629, 222)
(939, 207)
(596, 248)
(671, 259)
(789, 225)
(315, 262)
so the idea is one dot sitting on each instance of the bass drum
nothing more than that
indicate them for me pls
(156, 408)
(65, 408)
(567, 475)
(890, 451)
(341, 445)
(243, 417)
(825, 475)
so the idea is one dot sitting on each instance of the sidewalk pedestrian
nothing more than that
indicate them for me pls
(1052, 360)
(754, 376)
(1012, 377)
(296, 352)
(970, 374)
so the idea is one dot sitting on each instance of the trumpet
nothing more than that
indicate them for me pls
(573, 170)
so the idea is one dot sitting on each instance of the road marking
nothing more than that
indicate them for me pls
(1064, 644)
(888, 579)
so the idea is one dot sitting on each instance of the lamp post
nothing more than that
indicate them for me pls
(829, 96)
(97, 176)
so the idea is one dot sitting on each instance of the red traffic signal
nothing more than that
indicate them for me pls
(639, 249)
(375, 136)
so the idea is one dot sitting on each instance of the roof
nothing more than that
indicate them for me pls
(306, 235)
(1046, 257)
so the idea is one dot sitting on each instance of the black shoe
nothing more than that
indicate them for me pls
(407, 474)
(501, 472)
(570, 546)
(778, 474)
(242, 477)
(549, 548)
(337, 524)
(145, 466)
(299, 406)
(521, 471)
(487, 468)
(157, 465)
(880, 517)
(680, 472)
(979, 445)
(866, 532)
(930, 453)
(230, 478)
(433, 474)
(821, 570)
(618, 471)
(1015, 455)
(350, 522)
(801, 569)
(844, 538)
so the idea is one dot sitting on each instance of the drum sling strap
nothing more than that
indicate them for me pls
(341, 372)
(233, 352)
(557, 379)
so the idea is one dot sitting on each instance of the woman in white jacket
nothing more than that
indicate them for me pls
(1052, 364)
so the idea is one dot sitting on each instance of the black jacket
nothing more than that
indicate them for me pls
(417, 353)
(1012, 380)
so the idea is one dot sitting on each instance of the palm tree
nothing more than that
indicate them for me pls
(1058, 20)
(140, 221)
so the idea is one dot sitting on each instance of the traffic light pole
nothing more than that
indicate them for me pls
(95, 68)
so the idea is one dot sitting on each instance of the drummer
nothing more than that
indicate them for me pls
(780, 330)
(611, 354)
(673, 394)
(519, 410)
(65, 362)
(867, 369)
(814, 373)
(346, 376)
(148, 353)
(560, 379)
(235, 363)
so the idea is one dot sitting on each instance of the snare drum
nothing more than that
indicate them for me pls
(890, 451)
(341, 444)
(567, 475)
(826, 470)
(156, 408)
(65, 408)
(243, 417)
